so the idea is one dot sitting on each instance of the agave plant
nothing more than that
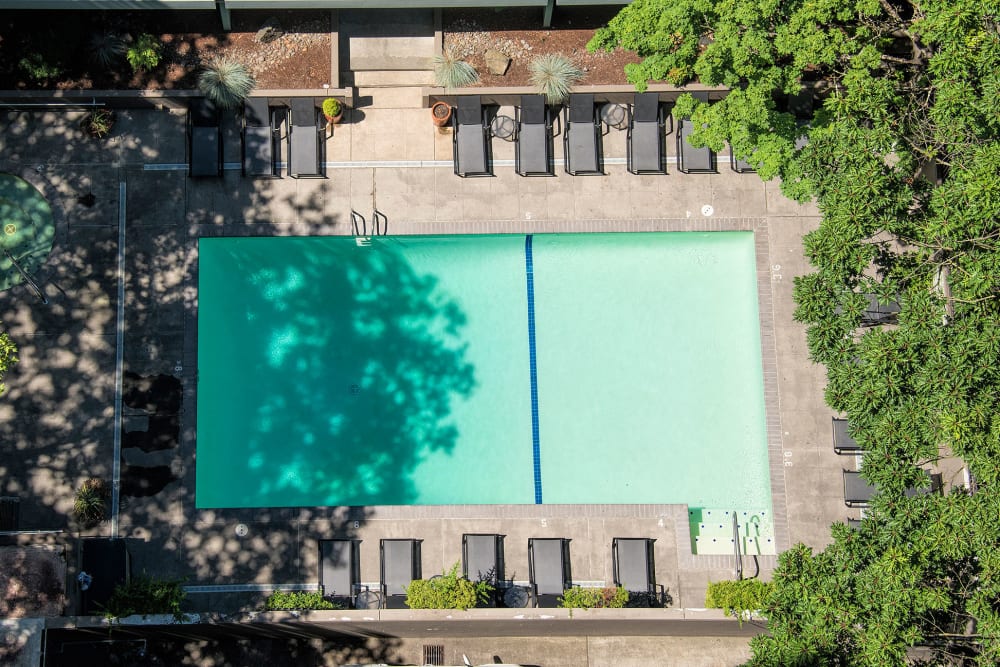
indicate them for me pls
(226, 82)
(106, 49)
(90, 505)
(450, 71)
(554, 74)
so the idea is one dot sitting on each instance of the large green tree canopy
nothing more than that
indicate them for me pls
(886, 112)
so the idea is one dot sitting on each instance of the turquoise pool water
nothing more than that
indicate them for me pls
(422, 370)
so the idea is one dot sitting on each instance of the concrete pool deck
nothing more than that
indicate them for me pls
(57, 418)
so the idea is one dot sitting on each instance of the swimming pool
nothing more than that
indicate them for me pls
(557, 368)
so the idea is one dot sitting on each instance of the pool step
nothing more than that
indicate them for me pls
(712, 532)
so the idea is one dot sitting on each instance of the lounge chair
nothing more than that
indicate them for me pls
(204, 138)
(482, 560)
(645, 142)
(858, 492)
(633, 568)
(340, 570)
(258, 138)
(533, 150)
(305, 159)
(843, 443)
(399, 565)
(471, 138)
(582, 136)
(691, 160)
(854, 524)
(879, 313)
(739, 165)
(548, 569)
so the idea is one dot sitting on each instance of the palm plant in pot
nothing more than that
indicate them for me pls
(333, 110)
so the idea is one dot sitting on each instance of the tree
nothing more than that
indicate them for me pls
(897, 144)
(8, 356)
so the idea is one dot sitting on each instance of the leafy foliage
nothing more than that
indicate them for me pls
(98, 123)
(450, 71)
(737, 598)
(884, 113)
(8, 357)
(144, 53)
(106, 49)
(226, 82)
(554, 75)
(292, 600)
(592, 598)
(91, 504)
(449, 591)
(331, 107)
(40, 68)
(145, 595)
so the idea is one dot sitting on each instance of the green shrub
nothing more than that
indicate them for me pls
(591, 598)
(737, 598)
(144, 54)
(91, 504)
(331, 107)
(292, 600)
(449, 591)
(226, 82)
(450, 71)
(98, 123)
(554, 74)
(146, 595)
(106, 49)
(36, 67)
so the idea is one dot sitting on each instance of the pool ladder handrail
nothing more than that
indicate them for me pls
(380, 224)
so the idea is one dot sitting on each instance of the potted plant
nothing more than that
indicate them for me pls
(440, 113)
(98, 123)
(333, 110)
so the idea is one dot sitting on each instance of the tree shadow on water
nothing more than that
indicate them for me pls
(328, 370)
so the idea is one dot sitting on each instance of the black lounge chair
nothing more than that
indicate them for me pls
(858, 492)
(471, 139)
(854, 524)
(691, 160)
(204, 138)
(739, 165)
(843, 443)
(482, 560)
(533, 150)
(259, 135)
(645, 147)
(582, 136)
(633, 567)
(548, 569)
(305, 150)
(399, 565)
(340, 570)
(879, 313)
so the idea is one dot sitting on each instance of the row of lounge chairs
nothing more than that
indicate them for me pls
(549, 570)
(858, 492)
(582, 129)
(260, 138)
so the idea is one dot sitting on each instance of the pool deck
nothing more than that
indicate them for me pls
(57, 422)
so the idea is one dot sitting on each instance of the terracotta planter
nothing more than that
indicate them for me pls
(441, 113)
(333, 120)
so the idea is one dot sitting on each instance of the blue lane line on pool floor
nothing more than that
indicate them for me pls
(536, 454)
